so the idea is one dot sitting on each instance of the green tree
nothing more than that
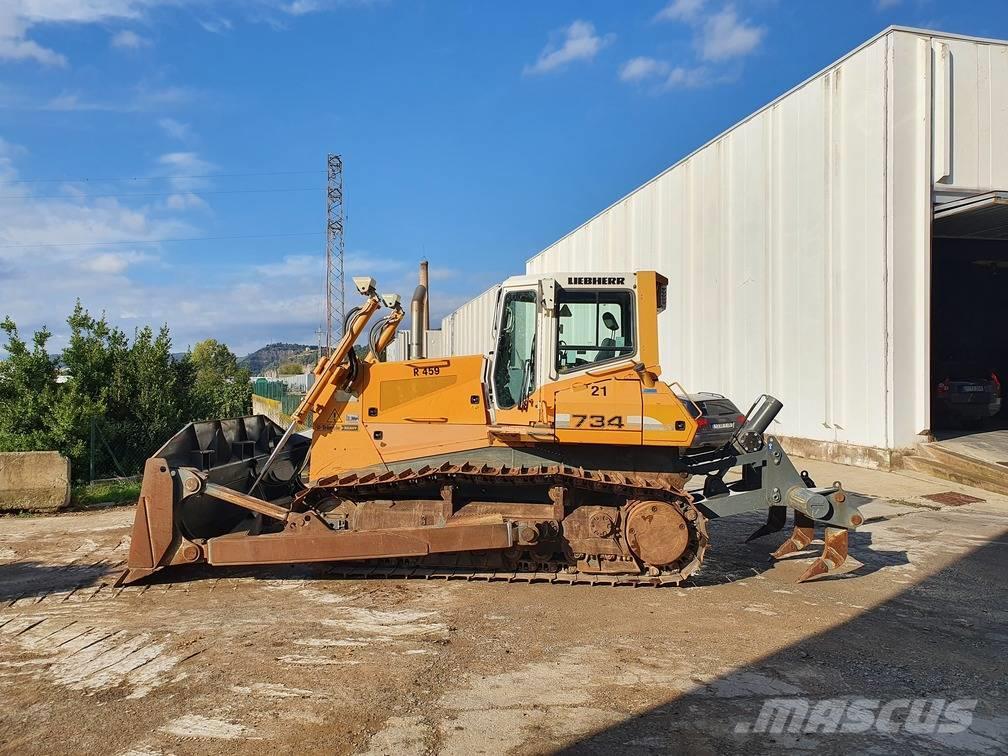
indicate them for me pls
(27, 391)
(132, 396)
(220, 388)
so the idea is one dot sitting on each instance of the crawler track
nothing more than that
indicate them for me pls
(615, 487)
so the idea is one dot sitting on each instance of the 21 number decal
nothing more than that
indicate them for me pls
(598, 421)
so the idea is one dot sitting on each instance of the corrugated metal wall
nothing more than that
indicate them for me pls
(971, 113)
(797, 243)
(771, 237)
(433, 344)
(469, 330)
(398, 350)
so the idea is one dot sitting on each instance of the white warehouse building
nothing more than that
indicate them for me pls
(830, 249)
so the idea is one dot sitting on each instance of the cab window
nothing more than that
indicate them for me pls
(514, 361)
(593, 327)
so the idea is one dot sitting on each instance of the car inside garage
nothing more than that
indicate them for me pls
(969, 315)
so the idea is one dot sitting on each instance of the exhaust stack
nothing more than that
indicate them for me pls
(419, 316)
(425, 282)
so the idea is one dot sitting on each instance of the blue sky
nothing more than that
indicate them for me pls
(473, 134)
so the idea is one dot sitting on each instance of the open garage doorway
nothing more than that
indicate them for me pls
(969, 317)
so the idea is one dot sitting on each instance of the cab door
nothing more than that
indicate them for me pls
(597, 394)
(513, 374)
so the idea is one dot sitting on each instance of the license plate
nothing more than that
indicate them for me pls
(722, 426)
(973, 389)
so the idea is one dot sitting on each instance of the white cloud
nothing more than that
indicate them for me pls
(141, 100)
(75, 234)
(187, 170)
(18, 17)
(174, 129)
(361, 263)
(113, 263)
(665, 75)
(215, 25)
(718, 36)
(128, 40)
(293, 266)
(725, 36)
(680, 10)
(12, 48)
(149, 98)
(578, 42)
(189, 162)
(185, 201)
(83, 244)
(686, 77)
(641, 68)
(301, 7)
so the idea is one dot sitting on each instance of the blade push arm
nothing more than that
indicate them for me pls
(331, 373)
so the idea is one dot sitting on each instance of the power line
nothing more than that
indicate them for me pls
(161, 178)
(158, 241)
(164, 194)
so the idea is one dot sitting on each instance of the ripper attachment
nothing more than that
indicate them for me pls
(770, 482)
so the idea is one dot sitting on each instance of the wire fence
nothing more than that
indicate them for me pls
(118, 451)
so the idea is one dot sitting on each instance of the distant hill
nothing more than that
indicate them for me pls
(271, 356)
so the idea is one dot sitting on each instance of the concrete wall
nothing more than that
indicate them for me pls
(273, 409)
(36, 481)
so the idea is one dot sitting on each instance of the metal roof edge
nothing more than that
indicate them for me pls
(943, 35)
(795, 88)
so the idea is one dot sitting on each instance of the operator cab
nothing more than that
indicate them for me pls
(558, 327)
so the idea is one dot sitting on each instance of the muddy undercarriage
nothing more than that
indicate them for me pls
(478, 520)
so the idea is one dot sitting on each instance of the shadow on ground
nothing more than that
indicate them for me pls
(19, 580)
(940, 639)
(730, 558)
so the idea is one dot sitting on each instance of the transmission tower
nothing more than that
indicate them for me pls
(334, 286)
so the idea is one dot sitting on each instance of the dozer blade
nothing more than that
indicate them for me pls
(173, 515)
(834, 554)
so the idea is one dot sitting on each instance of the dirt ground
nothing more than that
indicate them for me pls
(296, 661)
